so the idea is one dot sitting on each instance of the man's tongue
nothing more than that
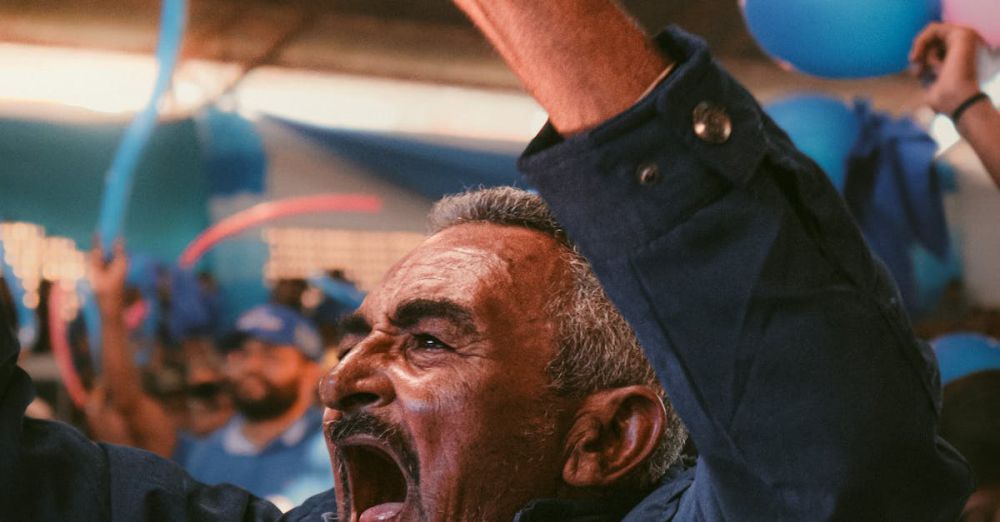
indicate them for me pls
(387, 511)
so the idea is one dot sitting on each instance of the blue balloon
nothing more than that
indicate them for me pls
(839, 38)
(964, 353)
(823, 128)
(120, 176)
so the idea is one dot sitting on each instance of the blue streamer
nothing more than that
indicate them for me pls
(27, 322)
(119, 178)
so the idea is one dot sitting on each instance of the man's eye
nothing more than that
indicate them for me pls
(429, 342)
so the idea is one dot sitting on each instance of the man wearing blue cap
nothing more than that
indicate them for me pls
(274, 447)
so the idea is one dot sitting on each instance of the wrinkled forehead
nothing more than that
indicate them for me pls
(478, 265)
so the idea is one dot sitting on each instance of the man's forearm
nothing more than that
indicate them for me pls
(147, 423)
(562, 48)
(121, 376)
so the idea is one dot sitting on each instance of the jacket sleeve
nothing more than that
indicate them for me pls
(145, 486)
(780, 340)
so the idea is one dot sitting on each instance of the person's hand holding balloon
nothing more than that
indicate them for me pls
(945, 55)
(947, 52)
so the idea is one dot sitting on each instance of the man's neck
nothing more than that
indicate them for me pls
(261, 433)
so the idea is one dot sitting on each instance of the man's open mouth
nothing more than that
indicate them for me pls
(376, 486)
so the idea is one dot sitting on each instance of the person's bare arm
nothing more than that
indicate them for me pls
(613, 61)
(148, 423)
(980, 126)
(105, 422)
(948, 53)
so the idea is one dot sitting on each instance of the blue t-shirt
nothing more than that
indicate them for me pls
(290, 469)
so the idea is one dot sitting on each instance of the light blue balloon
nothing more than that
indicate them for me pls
(964, 353)
(823, 128)
(121, 174)
(839, 38)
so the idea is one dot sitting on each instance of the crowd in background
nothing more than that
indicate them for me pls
(231, 403)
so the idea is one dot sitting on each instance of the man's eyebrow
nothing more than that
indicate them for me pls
(354, 324)
(412, 312)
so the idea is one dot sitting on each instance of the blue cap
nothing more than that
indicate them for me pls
(282, 326)
(965, 353)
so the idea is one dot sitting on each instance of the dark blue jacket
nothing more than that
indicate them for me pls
(780, 340)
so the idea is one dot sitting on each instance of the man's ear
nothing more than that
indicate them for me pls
(615, 430)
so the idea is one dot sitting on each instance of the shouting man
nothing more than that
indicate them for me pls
(487, 378)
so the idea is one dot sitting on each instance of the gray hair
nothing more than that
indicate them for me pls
(597, 349)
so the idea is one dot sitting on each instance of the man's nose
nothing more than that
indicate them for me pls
(359, 382)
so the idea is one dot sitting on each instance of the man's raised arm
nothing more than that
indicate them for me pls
(613, 65)
(148, 425)
(780, 340)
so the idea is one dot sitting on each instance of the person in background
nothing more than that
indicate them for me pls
(208, 405)
(194, 313)
(340, 297)
(274, 446)
(970, 421)
(288, 292)
(945, 54)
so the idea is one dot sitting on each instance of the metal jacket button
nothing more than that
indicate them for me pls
(711, 122)
(648, 174)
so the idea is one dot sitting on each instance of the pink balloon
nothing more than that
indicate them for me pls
(981, 15)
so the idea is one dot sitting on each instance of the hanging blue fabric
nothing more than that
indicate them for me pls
(118, 181)
(894, 192)
(27, 321)
(428, 167)
(235, 164)
(232, 152)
